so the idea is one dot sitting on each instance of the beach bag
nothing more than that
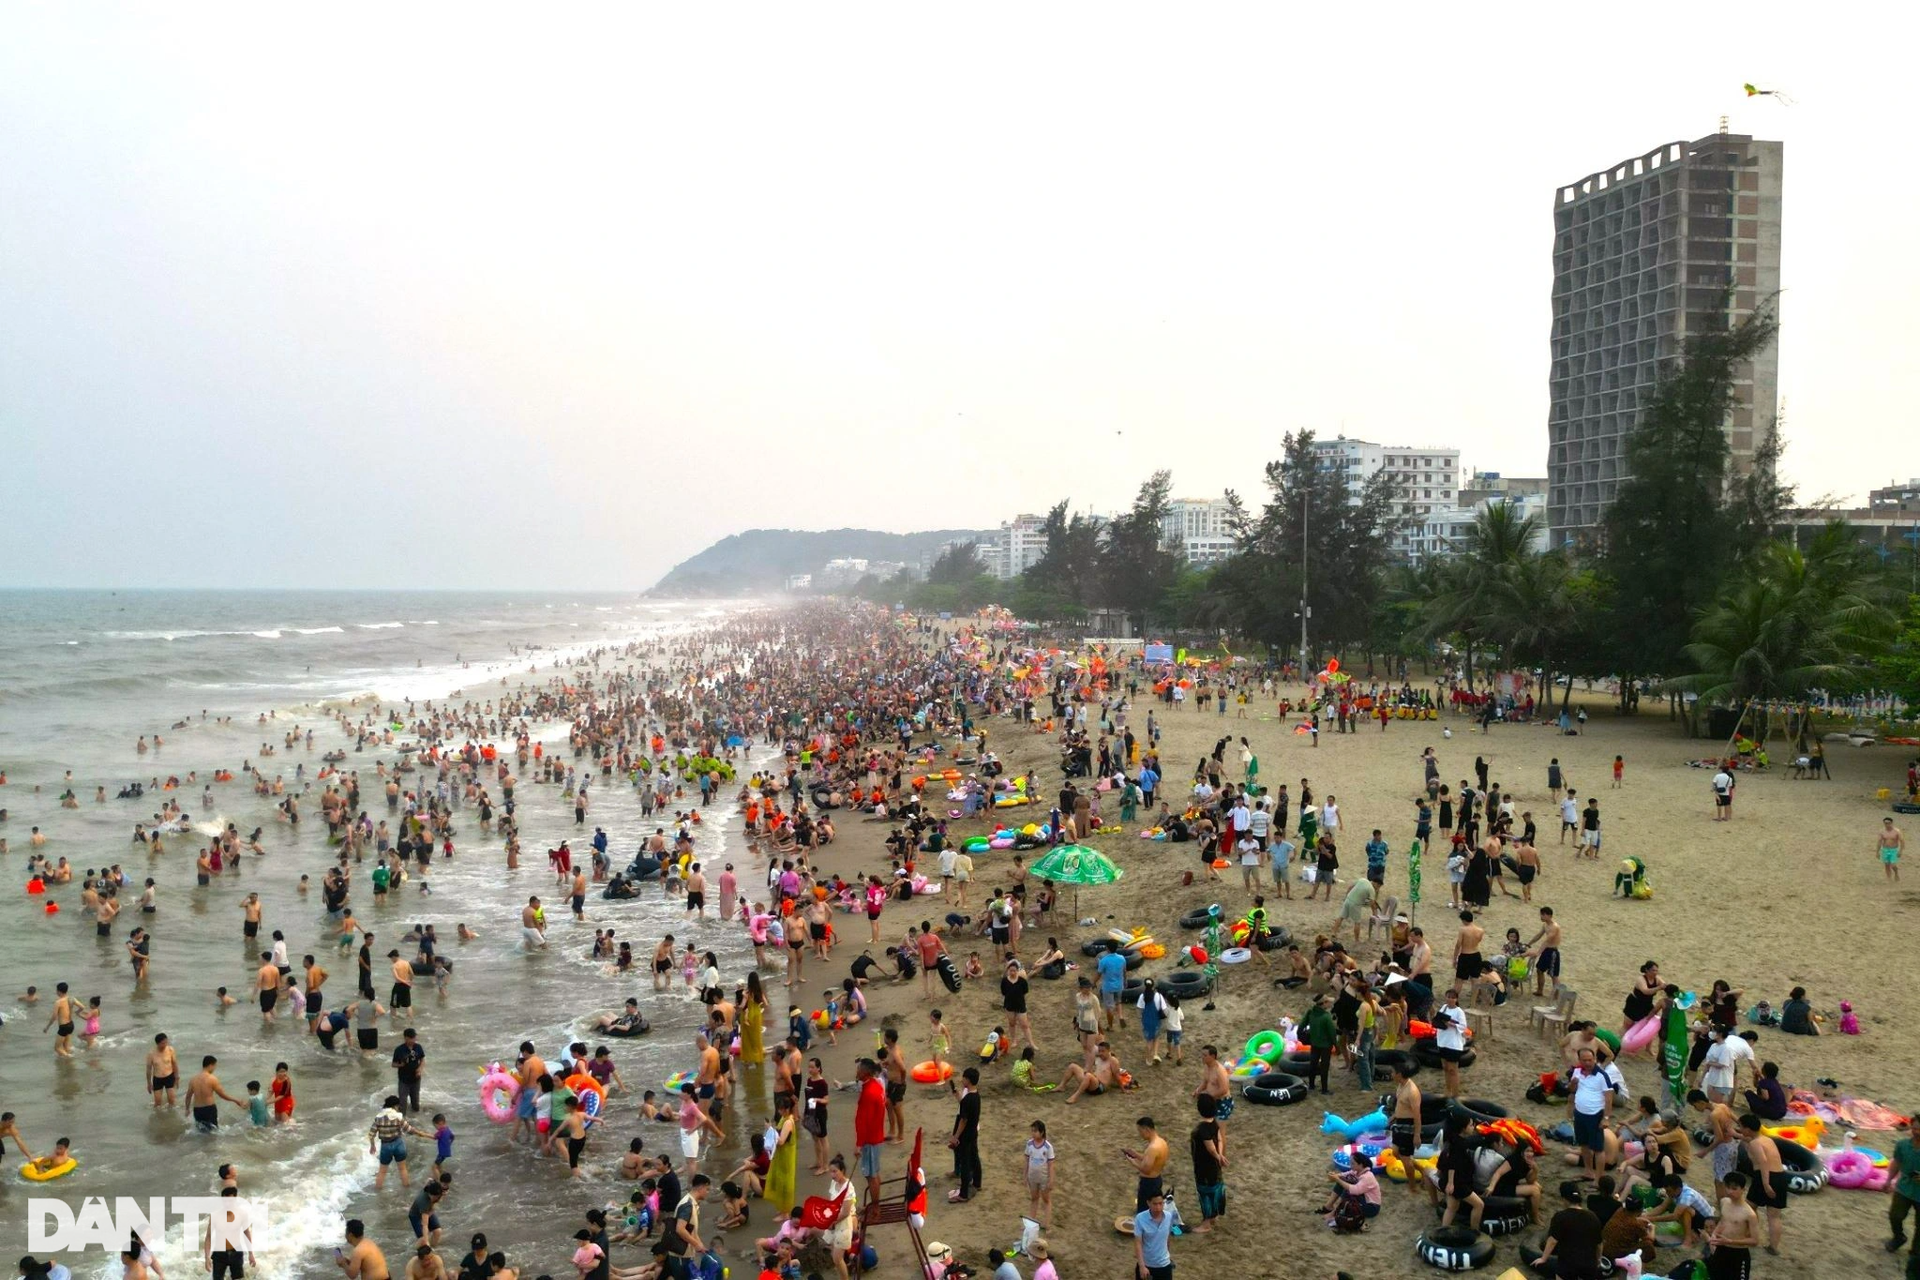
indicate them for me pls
(1350, 1215)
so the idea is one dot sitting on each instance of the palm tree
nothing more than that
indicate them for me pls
(1477, 587)
(1792, 623)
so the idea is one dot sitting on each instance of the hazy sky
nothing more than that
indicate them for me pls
(413, 295)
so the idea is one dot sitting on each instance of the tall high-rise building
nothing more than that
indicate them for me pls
(1644, 254)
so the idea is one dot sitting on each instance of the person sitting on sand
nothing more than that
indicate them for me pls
(1106, 1074)
(1796, 1015)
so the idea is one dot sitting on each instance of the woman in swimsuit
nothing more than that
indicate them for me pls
(1639, 1001)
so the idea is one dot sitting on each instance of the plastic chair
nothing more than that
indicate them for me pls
(1551, 1020)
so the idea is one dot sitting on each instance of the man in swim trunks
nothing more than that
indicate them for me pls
(163, 1071)
(202, 1091)
(1892, 841)
(530, 921)
(1466, 949)
(696, 892)
(1545, 957)
(267, 980)
(1404, 1127)
(1767, 1185)
(250, 916)
(62, 1020)
(1104, 1076)
(402, 995)
(663, 964)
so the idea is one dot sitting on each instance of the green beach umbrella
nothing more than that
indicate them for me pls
(1076, 864)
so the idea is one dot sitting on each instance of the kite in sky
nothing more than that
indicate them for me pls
(1753, 92)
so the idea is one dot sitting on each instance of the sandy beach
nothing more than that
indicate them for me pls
(1788, 893)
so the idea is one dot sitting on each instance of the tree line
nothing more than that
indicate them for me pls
(1693, 585)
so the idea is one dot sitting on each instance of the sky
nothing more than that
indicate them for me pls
(476, 296)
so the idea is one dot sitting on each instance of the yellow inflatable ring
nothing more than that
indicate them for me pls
(31, 1172)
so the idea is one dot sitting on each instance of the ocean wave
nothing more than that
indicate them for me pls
(318, 631)
(271, 633)
(378, 626)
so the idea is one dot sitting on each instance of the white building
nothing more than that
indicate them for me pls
(1440, 531)
(1198, 526)
(1019, 546)
(1426, 481)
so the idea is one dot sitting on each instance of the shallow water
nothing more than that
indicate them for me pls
(82, 676)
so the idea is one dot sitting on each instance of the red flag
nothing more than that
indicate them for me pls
(915, 1193)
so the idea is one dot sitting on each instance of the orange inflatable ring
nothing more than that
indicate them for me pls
(582, 1085)
(931, 1072)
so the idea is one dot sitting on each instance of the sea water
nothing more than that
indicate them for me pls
(83, 675)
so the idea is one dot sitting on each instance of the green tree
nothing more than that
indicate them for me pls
(958, 563)
(1136, 567)
(1899, 668)
(1679, 526)
(1067, 573)
(1309, 524)
(1791, 622)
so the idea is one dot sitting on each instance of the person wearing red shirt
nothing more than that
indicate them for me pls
(870, 1124)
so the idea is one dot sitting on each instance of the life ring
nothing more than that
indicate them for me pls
(1505, 1215)
(1454, 1248)
(638, 1028)
(1385, 1060)
(592, 1094)
(1805, 1172)
(1480, 1111)
(1275, 939)
(32, 1173)
(1274, 1089)
(931, 1072)
(1197, 919)
(1428, 1055)
(495, 1082)
(1640, 1034)
(1098, 947)
(1266, 1046)
(1235, 955)
(678, 1078)
(1185, 983)
(1852, 1170)
(1423, 1164)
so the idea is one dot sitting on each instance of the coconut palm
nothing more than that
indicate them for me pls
(1793, 622)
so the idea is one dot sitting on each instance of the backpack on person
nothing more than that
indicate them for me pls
(1350, 1215)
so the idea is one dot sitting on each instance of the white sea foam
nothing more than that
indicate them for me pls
(318, 631)
(269, 634)
(379, 626)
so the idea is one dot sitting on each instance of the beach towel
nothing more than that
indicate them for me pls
(1855, 1113)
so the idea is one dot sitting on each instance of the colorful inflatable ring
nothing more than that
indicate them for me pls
(1640, 1034)
(1153, 951)
(931, 1072)
(1266, 1046)
(592, 1094)
(1608, 1038)
(678, 1078)
(493, 1083)
(1854, 1171)
(1391, 1165)
(31, 1172)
